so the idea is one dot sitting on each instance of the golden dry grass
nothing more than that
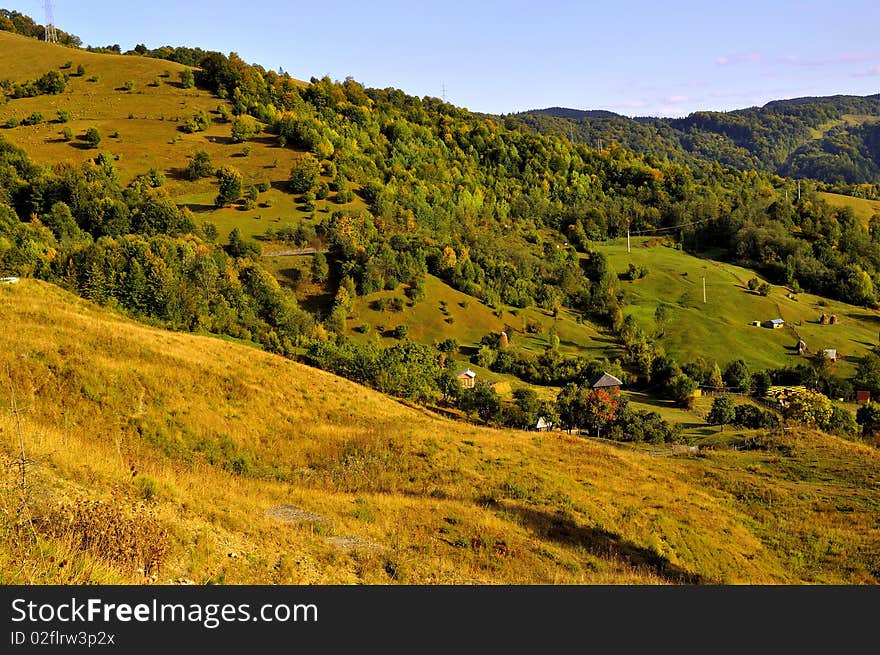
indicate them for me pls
(210, 436)
(147, 119)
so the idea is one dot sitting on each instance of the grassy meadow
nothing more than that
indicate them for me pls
(249, 468)
(140, 129)
(864, 209)
(721, 329)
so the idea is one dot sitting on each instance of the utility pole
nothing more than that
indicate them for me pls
(627, 239)
(799, 190)
(704, 289)
(444, 91)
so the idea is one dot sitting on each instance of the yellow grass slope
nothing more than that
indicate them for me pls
(140, 130)
(260, 470)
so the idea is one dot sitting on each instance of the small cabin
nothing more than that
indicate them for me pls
(774, 323)
(466, 378)
(606, 381)
(542, 424)
(831, 354)
(863, 397)
(801, 347)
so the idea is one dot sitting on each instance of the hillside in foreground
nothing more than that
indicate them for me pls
(226, 464)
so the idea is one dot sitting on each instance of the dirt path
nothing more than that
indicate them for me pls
(294, 252)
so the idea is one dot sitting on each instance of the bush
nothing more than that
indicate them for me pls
(199, 166)
(187, 79)
(243, 128)
(92, 136)
(400, 332)
(35, 118)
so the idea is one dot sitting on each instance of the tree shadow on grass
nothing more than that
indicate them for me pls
(197, 208)
(873, 318)
(602, 543)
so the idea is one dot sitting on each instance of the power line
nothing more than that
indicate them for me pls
(671, 227)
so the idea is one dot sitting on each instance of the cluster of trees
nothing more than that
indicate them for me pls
(52, 83)
(18, 23)
(776, 138)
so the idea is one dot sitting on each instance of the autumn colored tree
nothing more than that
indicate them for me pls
(809, 408)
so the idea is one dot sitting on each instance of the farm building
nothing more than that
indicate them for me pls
(467, 378)
(542, 424)
(801, 347)
(863, 396)
(606, 381)
(831, 354)
(773, 323)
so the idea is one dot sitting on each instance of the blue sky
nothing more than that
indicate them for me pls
(636, 58)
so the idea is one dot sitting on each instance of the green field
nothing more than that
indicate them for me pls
(721, 328)
(447, 313)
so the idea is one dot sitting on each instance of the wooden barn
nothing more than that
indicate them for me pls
(606, 381)
(863, 396)
(467, 378)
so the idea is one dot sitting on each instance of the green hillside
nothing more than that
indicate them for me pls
(832, 139)
(722, 328)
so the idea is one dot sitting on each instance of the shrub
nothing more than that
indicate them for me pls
(187, 79)
(35, 118)
(400, 332)
(136, 542)
(92, 136)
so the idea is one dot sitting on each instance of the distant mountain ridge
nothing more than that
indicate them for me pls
(834, 139)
